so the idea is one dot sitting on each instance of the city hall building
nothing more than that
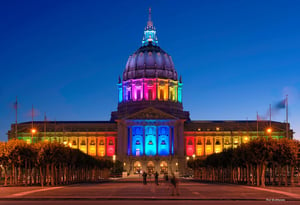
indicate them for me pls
(150, 130)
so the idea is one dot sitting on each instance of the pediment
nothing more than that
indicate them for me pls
(151, 113)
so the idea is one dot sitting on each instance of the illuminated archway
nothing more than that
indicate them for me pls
(150, 167)
(163, 167)
(137, 167)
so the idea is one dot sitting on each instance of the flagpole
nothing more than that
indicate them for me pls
(16, 107)
(270, 115)
(32, 113)
(286, 113)
(44, 125)
(257, 124)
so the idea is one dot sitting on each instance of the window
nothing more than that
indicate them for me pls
(138, 95)
(161, 94)
(137, 142)
(150, 143)
(199, 142)
(74, 143)
(128, 95)
(110, 142)
(150, 94)
(190, 142)
(92, 142)
(101, 142)
(208, 142)
(82, 142)
(163, 142)
(218, 142)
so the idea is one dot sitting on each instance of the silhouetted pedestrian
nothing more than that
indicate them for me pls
(156, 178)
(144, 178)
(175, 185)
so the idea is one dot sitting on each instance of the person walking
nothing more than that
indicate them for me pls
(156, 178)
(175, 185)
(144, 178)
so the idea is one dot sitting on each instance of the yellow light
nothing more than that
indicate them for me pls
(70, 144)
(65, 142)
(176, 163)
(187, 158)
(33, 131)
(124, 164)
(246, 138)
(269, 130)
(194, 156)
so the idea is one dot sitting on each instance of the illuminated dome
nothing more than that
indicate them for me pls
(150, 80)
(150, 61)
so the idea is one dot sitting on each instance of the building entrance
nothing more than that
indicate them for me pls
(137, 167)
(150, 167)
(163, 167)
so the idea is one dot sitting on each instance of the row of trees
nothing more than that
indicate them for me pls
(48, 164)
(261, 159)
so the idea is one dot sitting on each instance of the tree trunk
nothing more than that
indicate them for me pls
(292, 175)
(257, 174)
(20, 178)
(281, 175)
(12, 174)
(286, 175)
(247, 174)
(41, 176)
(52, 174)
(5, 176)
(263, 169)
(26, 172)
(273, 174)
(48, 174)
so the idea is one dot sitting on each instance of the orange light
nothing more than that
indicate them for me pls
(269, 130)
(33, 131)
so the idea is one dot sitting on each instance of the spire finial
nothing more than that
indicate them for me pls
(149, 18)
(149, 23)
(150, 32)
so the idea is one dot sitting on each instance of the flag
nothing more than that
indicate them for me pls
(281, 104)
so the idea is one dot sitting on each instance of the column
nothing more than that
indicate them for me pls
(130, 141)
(170, 140)
(156, 139)
(144, 141)
(204, 145)
(97, 142)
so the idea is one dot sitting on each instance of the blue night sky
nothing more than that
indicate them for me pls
(64, 57)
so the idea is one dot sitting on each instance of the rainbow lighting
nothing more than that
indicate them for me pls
(150, 90)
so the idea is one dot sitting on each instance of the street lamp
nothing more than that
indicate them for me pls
(33, 131)
(114, 161)
(269, 131)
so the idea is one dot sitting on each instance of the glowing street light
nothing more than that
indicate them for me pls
(269, 130)
(194, 156)
(33, 131)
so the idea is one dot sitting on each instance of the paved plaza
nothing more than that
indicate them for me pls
(132, 190)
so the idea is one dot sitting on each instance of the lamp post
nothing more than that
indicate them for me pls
(114, 161)
(33, 131)
(194, 164)
(269, 131)
(187, 166)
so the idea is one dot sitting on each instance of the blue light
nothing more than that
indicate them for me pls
(137, 141)
(163, 140)
(150, 140)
